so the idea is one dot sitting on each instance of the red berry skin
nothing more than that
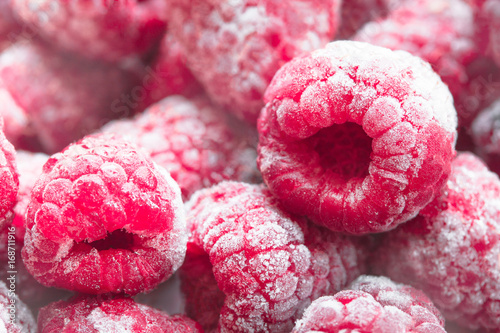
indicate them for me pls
(52, 98)
(9, 178)
(104, 218)
(196, 142)
(372, 304)
(22, 320)
(268, 264)
(101, 30)
(104, 313)
(356, 137)
(451, 249)
(234, 47)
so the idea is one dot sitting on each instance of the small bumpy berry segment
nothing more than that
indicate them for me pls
(268, 265)
(357, 137)
(15, 317)
(485, 132)
(372, 304)
(104, 30)
(234, 48)
(451, 250)
(106, 314)
(197, 143)
(9, 178)
(104, 218)
(51, 99)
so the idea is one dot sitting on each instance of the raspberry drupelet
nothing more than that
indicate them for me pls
(234, 47)
(102, 30)
(196, 142)
(9, 178)
(372, 304)
(356, 137)
(451, 250)
(15, 317)
(268, 265)
(106, 314)
(104, 218)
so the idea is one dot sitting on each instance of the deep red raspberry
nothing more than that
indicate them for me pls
(451, 250)
(447, 42)
(104, 218)
(485, 132)
(104, 30)
(235, 47)
(9, 178)
(197, 143)
(105, 314)
(268, 264)
(373, 304)
(18, 320)
(53, 98)
(357, 137)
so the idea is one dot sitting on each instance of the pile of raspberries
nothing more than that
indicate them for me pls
(221, 166)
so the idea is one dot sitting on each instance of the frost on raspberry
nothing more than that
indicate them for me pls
(197, 143)
(9, 178)
(235, 47)
(52, 99)
(451, 250)
(447, 42)
(104, 218)
(372, 304)
(108, 314)
(268, 265)
(103, 30)
(18, 321)
(356, 137)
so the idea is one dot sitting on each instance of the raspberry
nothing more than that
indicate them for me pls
(104, 30)
(372, 304)
(53, 98)
(355, 13)
(193, 140)
(104, 218)
(18, 321)
(486, 135)
(105, 314)
(488, 22)
(8, 25)
(447, 42)
(9, 178)
(234, 48)
(451, 249)
(30, 167)
(268, 264)
(356, 137)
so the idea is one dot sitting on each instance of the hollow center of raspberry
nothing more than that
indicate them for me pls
(118, 239)
(343, 149)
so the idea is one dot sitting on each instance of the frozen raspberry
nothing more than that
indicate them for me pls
(9, 27)
(105, 314)
(193, 140)
(268, 264)
(355, 13)
(486, 134)
(356, 137)
(9, 178)
(488, 27)
(104, 30)
(30, 167)
(15, 317)
(104, 218)
(447, 42)
(372, 304)
(54, 99)
(451, 250)
(235, 47)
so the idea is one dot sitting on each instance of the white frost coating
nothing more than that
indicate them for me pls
(104, 323)
(24, 320)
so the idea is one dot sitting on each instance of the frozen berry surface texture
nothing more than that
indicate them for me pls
(451, 249)
(104, 218)
(105, 314)
(372, 304)
(268, 265)
(356, 137)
